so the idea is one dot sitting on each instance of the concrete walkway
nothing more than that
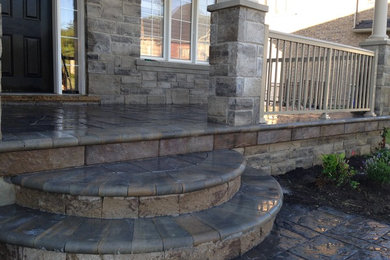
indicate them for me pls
(302, 232)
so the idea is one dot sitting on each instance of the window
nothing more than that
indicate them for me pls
(175, 29)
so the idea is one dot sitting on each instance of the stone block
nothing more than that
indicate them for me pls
(50, 202)
(120, 207)
(291, 146)
(136, 99)
(121, 151)
(371, 126)
(250, 239)
(149, 75)
(186, 145)
(158, 205)
(27, 197)
(202, 199)
(305, 133)
(329, 130)
(282, 167)
(7, 192)
(254, 32)
(257, 149)
(229, 141)
(84, 206)
(243, 117)
(355, 128)
(273, 136)
(40, 160)
(156, 100)
(99, 42)
(112, 9)
(180, 96)
(166, 76)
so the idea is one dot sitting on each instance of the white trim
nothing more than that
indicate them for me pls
(57, 62)
(57, 77)
(167, 35)
(81, 46)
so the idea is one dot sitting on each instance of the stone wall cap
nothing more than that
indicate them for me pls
(234, 3)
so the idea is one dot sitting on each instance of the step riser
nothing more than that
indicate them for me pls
(227, 248)
(127, 207)
(79, 154)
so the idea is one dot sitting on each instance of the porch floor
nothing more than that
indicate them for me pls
(50, 125)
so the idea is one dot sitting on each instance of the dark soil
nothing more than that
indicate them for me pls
(370, 199)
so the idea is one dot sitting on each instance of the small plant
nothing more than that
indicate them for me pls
(385, 138)
(337, 170)
(377, 166)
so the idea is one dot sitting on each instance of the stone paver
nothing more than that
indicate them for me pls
(303, 232)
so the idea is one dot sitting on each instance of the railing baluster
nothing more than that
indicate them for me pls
(301, 78)
(365, 82)
(347, 74)
(307, 79)
(358, 82)
(282, 77)
(276, 76)
(295, 78)
(269, 84)
(289, 77)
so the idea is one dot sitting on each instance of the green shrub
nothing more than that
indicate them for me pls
(337, 170)
(377, 166)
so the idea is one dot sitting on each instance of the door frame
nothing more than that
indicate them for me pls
(57, 65)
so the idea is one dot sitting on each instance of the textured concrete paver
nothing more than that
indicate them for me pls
(303, 232)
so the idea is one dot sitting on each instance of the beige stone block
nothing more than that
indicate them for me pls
(121, 151)
(329, 130)
(233, 187)
(120, 207)
(250, 239)
(186, 145)
(37, 254)
(27, 197)
(7, 192)
(305, 133)
(84, 206)
(158, 206)
(40, 160)
(228, 141)
(202, 199)
(284, 146)
(52, 202)
(355, 127)
(257, 149)
(274, 136)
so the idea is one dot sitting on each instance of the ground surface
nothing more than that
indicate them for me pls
(370, 199)
(328, 222)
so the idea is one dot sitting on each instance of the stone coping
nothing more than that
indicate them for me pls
(233, 3)
(41, 140)
(257, 202)
(49, 98)
(172, 64)
(148, 177)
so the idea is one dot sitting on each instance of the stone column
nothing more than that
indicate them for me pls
(380, 43)
(236, 58)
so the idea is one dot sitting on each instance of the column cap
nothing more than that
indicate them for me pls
(374, 42)
(234, 3)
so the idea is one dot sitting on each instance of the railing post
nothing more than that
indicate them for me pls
(325, 115)
(373, 86)
(264, 77)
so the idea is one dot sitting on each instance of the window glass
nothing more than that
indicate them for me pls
(203, 40)
(181, 29)
(69, 46)
(152, 27)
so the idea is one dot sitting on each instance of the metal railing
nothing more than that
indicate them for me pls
(304, 75)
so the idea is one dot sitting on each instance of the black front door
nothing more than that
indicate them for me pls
(27, 61)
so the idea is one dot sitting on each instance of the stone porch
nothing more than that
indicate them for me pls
(159, 166)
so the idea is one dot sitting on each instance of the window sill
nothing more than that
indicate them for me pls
(172, 64)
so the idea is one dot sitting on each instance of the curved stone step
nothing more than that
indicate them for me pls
(159, 186)
(221, 232)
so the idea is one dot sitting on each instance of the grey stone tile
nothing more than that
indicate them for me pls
(172, 234)
(146, 237)
(199, 231)
(118, 237)
(87, 237)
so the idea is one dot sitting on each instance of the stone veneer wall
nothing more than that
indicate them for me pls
(115, 71)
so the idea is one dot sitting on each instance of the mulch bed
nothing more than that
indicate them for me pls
(370, 199)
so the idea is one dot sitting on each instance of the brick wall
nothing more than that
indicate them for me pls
(115, 71)
(339, 30)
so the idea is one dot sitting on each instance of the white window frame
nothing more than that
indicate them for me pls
(57, 68)
(167, 36)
